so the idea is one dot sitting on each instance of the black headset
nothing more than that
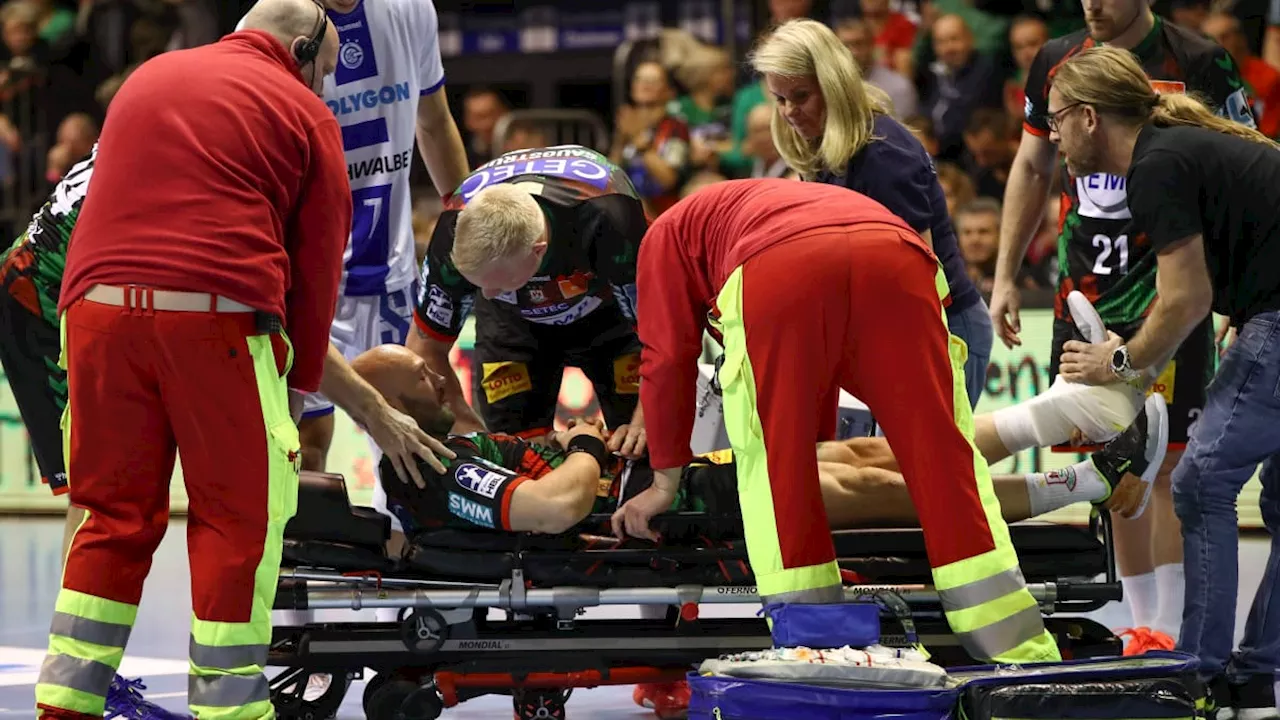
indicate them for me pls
(308, 50)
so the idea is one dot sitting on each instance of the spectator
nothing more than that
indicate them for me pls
(650, 143)
(892, 35)
(978, 226)
(961, 81)
(21, 27)
(990, 147)
(922, 127)
(990, 33)
(957, 187)
(856, 35)
(76, 135)
(707, 74)
(1026, 36)
(766, 162)
(522, 134)
(481, 110)
(1263, 80)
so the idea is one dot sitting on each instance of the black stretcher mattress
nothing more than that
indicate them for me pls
(327, 532)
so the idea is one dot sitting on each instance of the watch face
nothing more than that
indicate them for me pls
(1118, 358)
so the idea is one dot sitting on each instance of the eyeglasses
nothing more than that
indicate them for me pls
(1055, 118)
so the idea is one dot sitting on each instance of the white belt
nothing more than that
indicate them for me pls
(145, 298)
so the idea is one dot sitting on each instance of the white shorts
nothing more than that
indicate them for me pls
(362, 323)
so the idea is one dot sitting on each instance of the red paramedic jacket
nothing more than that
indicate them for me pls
(685, 259)
(219, 171)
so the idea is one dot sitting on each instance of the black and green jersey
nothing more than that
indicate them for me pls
(43, 244)
(595, 221)
(1100, 252)
(476, 489)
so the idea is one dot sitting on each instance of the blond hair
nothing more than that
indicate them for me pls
(698, 67)
(1112, 81)
(499, 223)
(807, 48)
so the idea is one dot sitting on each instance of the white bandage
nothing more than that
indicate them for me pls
(1099, 412)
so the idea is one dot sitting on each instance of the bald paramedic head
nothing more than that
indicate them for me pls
(500, 239)
(408, 385)
(295, 23)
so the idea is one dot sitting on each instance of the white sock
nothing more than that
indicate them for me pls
(1141, 593)
(1060, 488)
(1171, 587)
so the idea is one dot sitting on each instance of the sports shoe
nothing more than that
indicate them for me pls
(125, 702)
(1129, 463)
(1086, 318)
(1144, 639)
(669, 701)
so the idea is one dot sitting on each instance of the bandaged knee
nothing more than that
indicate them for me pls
(1099, 412)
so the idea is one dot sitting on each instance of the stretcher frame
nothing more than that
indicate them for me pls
(445, 648)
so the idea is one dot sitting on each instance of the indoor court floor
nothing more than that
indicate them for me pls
(29, 572)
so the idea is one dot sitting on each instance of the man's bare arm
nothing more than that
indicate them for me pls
(436, 354)
(1184, 296)
(440, 143)
(1025, 196)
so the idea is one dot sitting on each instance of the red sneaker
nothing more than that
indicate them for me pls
(669, 701)
(1143, 639)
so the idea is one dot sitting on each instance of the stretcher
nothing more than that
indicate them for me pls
(483, 612)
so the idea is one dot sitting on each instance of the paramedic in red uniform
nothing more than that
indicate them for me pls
(813, 288)
(199, 288)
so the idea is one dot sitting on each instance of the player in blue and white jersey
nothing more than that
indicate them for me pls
(388, 90)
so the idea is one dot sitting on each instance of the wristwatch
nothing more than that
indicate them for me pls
(1121, 366)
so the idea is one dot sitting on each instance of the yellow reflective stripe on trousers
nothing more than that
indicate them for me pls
(985, 598)
(755, 494)
(226, 680)
(87, 637)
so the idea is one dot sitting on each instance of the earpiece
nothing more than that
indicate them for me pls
(307, 51)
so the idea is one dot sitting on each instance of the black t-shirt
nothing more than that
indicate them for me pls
(896, 171)
(1100, 245)
(1187, 181)
(596, 223)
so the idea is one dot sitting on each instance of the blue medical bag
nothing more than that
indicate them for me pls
(727, 698)
(1155, 686)
(824, 626)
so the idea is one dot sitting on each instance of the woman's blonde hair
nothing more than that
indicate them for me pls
(807, 48)
(1112, 81)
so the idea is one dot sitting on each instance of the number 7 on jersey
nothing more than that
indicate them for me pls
(370, 240)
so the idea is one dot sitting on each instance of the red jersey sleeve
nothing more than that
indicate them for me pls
(315, 240)
(671, 317)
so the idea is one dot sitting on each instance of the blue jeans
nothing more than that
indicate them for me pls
(973, 326)
(1238, 429)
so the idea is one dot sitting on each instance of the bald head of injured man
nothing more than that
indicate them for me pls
(502, 483)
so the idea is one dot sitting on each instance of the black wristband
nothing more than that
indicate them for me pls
(592, 446)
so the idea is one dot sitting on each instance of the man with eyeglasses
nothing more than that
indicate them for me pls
(1108, 258)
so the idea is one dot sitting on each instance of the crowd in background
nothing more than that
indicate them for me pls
(953, 69)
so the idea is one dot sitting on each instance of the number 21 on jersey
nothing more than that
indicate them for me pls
(1113, 254)
(370, 240)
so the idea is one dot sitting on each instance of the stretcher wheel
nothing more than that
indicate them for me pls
(288, 695)
(391, 697)
(540, 704)
(424, 631)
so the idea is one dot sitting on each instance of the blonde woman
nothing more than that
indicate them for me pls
(833, 128)
(1205, 191)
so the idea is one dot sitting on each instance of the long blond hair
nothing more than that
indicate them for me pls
(1112, 81)
(807, 48)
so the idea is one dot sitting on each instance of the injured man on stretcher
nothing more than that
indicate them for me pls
(503, 483)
